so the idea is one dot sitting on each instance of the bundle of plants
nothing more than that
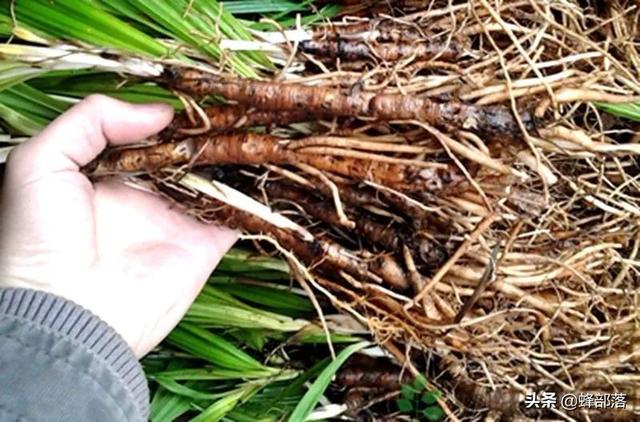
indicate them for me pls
(459, 177)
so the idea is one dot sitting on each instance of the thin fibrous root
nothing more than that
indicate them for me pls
(391, 52)
(390, 237)
(265, 95)
(404, 207)
(323, 254)
(381, 30)
(251, 148)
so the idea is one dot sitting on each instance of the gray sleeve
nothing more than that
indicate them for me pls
(59, 362)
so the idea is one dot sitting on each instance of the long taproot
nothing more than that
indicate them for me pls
(251, 148)
(275, 96)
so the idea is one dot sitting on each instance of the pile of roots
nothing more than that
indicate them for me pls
(441, 172)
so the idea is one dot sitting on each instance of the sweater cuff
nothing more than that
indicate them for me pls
(67, 320)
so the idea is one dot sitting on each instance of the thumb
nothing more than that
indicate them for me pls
(80, 134)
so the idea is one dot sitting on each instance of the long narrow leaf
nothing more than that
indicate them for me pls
(184, 391)
(267, 296)
(77, 20)
(19, 123)
(212, 374)
(213, 348)
(190, 23)
(231, 316)
(213, 296)
(30, 100)
(167, 407)
(26, 110)
(238, 260)
(107, 84)
(628, 110)
(311, 398)
(6, 26)
(220, 408)
(238, 7)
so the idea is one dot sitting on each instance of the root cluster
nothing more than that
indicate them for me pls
(458, 192)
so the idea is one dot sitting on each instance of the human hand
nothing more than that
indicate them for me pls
(121, 253)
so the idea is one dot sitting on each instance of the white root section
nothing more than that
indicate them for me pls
(244, 45)
(583, 141)
(545, 172)
(281, 37)
(327, 412)
(571, 95)
(64, 57)
(242, 202)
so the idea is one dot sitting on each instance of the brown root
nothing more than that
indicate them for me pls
(227, 118)
(381, 30)
(389, 52)
(329, 257)
(390, 236)
(251, 148)
(487, 120)
(365, 371)
(558, 310)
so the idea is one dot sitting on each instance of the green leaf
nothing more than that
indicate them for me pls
(311, 398)
(261, 6)
(272, 403)
(184, 391)
(26, 110)
(6, 26)
(254, 338)
(34, 102)
(316, 369)
(206, 374)
(215, 307)
(232, 316)
(167, 407)
(326, 12)
(408, 392)
(117, 24)
(266, 275)
(215, 296)
(84, 21)
(420, 383)
(195, 23)
(213, 348)
(215, 13)
(220, 408)
(431, 397)
(108, 84)
(238, 260)
(433, 413)
(627, 110)
(268, 296)
(313, 334)
(19, 123)
(404, 405)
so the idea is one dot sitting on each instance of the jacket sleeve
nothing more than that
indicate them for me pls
(59, 362)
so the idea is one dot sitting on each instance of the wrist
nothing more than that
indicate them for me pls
(71, 335)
